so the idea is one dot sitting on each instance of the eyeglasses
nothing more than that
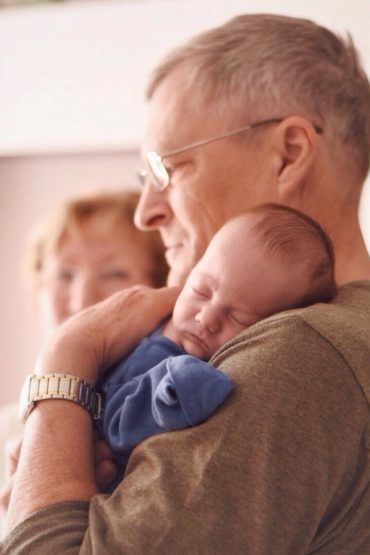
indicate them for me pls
(160, 174)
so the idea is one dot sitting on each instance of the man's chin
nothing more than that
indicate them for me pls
(181, 263)
(177, 276)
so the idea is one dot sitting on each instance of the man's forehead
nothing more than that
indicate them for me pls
(174, 118)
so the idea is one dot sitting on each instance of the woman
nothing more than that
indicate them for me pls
(85, 251)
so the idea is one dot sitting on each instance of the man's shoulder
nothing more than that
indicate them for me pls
(321, 341)
(344, 317)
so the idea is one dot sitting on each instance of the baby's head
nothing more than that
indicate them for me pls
(266, 260)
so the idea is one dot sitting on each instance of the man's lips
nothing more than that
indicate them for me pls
(171, 250)
(172, 246)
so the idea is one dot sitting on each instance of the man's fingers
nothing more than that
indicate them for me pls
(165, 297)
(102, 451)
(105, 467)
(125, 318)
(105, 473)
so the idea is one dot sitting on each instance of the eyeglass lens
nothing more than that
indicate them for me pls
(158, 170)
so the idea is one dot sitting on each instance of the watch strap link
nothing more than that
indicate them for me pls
(67, 387)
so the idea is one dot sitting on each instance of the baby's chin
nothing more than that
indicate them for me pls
(195, 347)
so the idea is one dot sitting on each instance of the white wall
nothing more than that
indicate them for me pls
(71, 81)
(29, 188)
(73, 74)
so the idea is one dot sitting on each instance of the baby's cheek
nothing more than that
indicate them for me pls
(182, 310)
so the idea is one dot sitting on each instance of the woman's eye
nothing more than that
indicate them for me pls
(115, 274)
(66, 274)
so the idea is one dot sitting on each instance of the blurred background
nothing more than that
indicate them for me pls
(72, 76)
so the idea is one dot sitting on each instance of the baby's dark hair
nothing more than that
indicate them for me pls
(295, 239)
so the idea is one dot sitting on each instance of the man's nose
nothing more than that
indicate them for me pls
(85, 292)
(153, 209)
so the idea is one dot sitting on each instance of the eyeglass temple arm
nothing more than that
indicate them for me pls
(319, 130)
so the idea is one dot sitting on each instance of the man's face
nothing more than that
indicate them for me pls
(209, 184)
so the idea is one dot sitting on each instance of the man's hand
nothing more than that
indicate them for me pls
(58, 439)
(105, 468)
(94, 339)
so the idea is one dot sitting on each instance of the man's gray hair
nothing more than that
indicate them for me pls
(258, 66)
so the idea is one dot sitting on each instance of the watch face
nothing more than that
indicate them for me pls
(58, 386)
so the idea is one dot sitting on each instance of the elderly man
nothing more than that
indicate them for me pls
(264, 108)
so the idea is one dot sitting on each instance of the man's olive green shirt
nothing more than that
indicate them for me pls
(282, 467)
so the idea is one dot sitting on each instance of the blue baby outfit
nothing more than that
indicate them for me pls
(157, 388)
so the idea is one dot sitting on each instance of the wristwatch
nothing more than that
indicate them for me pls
(58, 386)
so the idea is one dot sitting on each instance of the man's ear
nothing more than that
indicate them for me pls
(296, 148)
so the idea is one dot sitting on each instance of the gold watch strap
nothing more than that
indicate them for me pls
(62, 386)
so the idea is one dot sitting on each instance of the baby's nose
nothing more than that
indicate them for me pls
(208, 319)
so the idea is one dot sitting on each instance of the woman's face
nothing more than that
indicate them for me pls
(85, 269)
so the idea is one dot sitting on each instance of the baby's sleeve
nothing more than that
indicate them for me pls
(178, 392)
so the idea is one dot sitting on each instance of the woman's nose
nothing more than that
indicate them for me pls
(84, 293)
(153, 209)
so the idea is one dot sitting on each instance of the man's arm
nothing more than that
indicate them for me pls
(270, 472)
(56, 460)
